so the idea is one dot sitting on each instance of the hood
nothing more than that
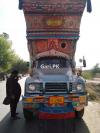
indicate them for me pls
(54, 78)
(57, 75)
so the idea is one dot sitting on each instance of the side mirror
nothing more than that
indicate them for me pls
(84, 62)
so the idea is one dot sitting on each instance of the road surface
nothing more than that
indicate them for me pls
(89, 124)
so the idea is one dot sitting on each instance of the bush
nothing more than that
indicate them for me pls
(87, 75)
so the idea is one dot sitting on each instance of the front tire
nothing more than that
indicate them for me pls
(28, 115)
(79, 114)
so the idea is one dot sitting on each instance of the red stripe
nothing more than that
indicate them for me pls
(28, 107)
(43, 115)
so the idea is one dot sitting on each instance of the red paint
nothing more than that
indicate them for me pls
(54, 6)
(43, 115)
(28, 107)
(52, 23)
(46, 45)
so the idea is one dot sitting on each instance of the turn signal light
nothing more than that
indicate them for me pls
(30, 100)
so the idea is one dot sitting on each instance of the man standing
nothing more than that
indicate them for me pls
(13, 92)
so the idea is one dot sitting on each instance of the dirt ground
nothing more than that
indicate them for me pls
(92, 111)
(92, 117)
(93, 90)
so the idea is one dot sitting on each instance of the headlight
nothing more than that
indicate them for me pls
(32, 87)
(80, 87)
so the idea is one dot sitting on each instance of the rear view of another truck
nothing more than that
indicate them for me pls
(54, 90)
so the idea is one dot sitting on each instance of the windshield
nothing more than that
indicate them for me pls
(53, 63)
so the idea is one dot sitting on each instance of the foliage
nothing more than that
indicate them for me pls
(6, 54)
(95, 70)
(87, 74)
(20, 65)
(8, 58)
(5, 35)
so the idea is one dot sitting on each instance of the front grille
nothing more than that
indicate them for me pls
(56, 87)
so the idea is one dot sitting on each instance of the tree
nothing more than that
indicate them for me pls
(7, 55)
(96, 69)
(4, 35)
(9, 60)
(20, 65)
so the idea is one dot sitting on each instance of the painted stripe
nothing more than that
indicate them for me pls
(46, 37)
(69, 115)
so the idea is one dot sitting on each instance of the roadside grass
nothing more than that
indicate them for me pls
(93, 90)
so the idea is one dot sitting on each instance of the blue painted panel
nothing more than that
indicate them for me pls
(65, 109)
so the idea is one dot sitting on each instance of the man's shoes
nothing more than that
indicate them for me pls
(15, 118)
(17, 113)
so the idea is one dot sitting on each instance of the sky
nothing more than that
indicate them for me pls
(13, 23)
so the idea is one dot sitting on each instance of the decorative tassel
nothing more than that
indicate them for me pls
(89, 6)
(20, 4)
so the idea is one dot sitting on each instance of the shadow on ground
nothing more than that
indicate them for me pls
(41, 126)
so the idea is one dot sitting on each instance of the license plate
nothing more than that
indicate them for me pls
(56, 100)
(82, 99)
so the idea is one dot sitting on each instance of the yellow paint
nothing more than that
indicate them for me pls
(54, 22)
(39, 99)
(56, 100)
(30, 100)
(82, 99)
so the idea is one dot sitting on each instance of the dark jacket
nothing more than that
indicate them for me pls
(13, 88)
